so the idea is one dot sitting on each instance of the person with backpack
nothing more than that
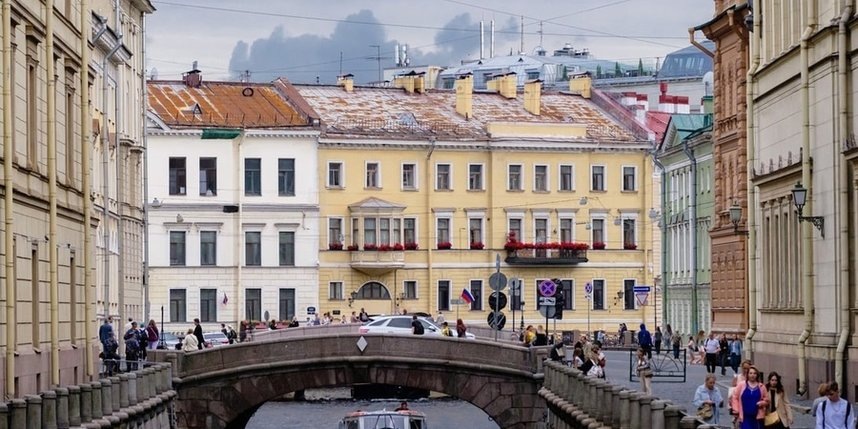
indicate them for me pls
(834, 412)
(645, 341)
(132, 347)
(110, 355)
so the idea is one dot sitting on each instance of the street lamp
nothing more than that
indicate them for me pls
(799, 198)
(735, 216)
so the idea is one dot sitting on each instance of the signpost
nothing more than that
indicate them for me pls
(641, 294)
(514, 293)
(457, 302)
(497, 282)
(547, 289)
(588, 290)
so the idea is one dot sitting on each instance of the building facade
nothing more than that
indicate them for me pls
(50, 222)
(423, 193)
(233, 204)
(801, 131)
(729, 241)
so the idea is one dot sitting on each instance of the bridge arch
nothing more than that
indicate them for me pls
(219, 386)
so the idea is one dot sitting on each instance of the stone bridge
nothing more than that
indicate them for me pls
(222, 387)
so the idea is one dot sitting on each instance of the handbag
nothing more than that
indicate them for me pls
(705, 411)
(772, 419)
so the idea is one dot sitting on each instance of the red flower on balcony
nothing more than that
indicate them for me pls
(598, 245)
(352, 247)
(370, 246)
(444, 245)
(411, 246)
(513, 245)
(477, 245)
(397, 246)
(335, 246)
(630, 246)
(571, 245)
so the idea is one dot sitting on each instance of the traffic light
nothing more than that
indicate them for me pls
(559, 299)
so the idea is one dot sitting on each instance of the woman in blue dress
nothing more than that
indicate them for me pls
(750, 400)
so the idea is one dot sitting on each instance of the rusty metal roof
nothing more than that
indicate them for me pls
(222, 105)
(371, 111)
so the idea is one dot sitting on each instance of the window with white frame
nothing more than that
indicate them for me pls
(178, 305)
(335, 230)
(442, 177)
(540, 178)
(409, 230)
(475, 177)
(566, 230)
(476, 287)
(252, 248)
(444, 289)
(629, 181)
(475, 231)
(598, 230)
(335, 291)
(335, 174)
(369, 236)
(178, 176)
(396, 231)
(514, 177)
(409, 176)
(253, 176)
(568, 288)
(208, 176)
(442, 231)
(629, 294)
(286, 177)
(598, 294)
(355, 231)
(409, 288)
(629, 233)
(208, 248)
(597, 177)
(177, 248)
(514, 229)
(540, 230)
(287, 248)
(373, 175)
(383, 231)
(567, 178)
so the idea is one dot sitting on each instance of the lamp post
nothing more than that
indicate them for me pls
(799, 198)
(654, 215)
(735, 216)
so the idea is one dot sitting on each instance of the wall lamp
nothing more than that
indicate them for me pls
(619, 298)
(799, 198)
(735, 216)
(353, 296)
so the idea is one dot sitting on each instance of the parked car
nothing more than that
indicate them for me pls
(170, 340)
(402, 325)
(215, 339)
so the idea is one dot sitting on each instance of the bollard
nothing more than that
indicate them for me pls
(34, 411)
(646, 412)
(74, 405)
(598, 412)
(153, 382)
(689, 422)
(113, 420)
(85, 402)
(635, 410)
(615, 405)
(49, 409)
(62, 408)
(115, 385)
(132, 389)
(672, 416)
(624, 409)
(96, 400)
(106, 397)
(123, 391)
(657, 407)
(605, 401)
(18, 414)
(4, 415)
(141, 385)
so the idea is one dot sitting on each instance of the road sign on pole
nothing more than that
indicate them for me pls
(641, 297)
(547, 288)
(547, 300)
(497, 281)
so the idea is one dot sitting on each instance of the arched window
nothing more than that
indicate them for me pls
(373, 290)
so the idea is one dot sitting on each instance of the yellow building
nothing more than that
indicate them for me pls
(470, 178)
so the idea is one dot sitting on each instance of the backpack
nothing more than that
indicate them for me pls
(230, 334)
(131, 342)
(845, 420)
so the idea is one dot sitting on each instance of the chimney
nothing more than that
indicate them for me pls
(581, 85)
(420, 83)
(506, 85)
(666, 104)
(411, 82)
(533, 96)
(708, 104)
(465, 95)
(193, 78)
(629, 99)
(643, 101)
(347, 81)
(681, 103)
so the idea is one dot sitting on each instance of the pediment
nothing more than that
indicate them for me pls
(375, 205)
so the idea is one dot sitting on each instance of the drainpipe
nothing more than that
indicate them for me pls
(105, 175)
(86, 187)
(807, 180)
(697, 45)
(239, 245)
(146, 304)
(50, 63)
(120, 219)
(695, 311)
(663, 207)
(754, 45)
(9, 190)
(843, 191)
(429, 225)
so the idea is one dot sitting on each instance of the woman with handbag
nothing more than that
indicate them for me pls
(750, 401)
(779, 415)
(707, 399)
(644, 372)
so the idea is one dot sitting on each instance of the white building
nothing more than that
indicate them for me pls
(233, 204)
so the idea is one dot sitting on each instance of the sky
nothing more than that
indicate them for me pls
(315, 40)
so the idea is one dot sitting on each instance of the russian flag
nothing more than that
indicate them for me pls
(468, 296)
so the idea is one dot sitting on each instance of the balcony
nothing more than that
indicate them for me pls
(543, 257)
(376, 262)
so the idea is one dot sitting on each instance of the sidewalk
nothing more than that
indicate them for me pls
(617, 372)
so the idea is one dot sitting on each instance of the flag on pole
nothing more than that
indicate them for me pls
(468, 296)
(225, 299)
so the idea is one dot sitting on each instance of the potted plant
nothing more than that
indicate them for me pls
(598, 245)
(444, 245)
(398, 246)
(335, 246)
(352, 247)
(411, 246)
(384, 247)
(630, 246)
(370, 246)
(476, 245)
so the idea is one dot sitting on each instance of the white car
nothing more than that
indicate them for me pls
(402, 325)
(215, 339)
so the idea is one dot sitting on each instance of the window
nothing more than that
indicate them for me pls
(443, 230)
(252, 248)
(540, 230)
(442, 177)
(208, 176)
(629, 233)
(629, 179)
(253, 304)
(515, 229)
(178, 176)
(177, 248)
(384, 231)
(178, 305)
(287, 248)
(372, 175)
(409, 288)
(409, 176)
(410, 230)
(566, 178)
(566, 230)
(475, 230)
(568, 288)
(32, 110)
(475, 177)
(335, 291)
(373, 290)
(598, 294)
(598, 230)
(629, 294)
(444, 295)
(355, 231)
(514, 178)
(287, 304)
(597, 181)
(396, 231)
(477, 290)
(540, 178)
(335, 231)
(369, 231)
(515, 300)
(208, 305)
(286, 177)
(252, 176)
(208, 247)
(335, 174)
(71, 150)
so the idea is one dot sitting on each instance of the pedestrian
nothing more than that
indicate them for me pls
(294, 323)
(834, 413)
(822, 392)
(354, 318)
(577, 357)
(746, 366)
(363, 316)
(594, 366)
(657, 338)
(557, 353)
(693, 354)
(242, 331)
(779, 413)
(190, 342)
(105, 331)
(750, 401)
(707, 399)
(676, 343)
(416, 326)
(439, 319)
(645, 340)
(724, 353)
(735, 353)
(128, 324)
(403, 406)
(198, 332)
(461, 330)
(152, 334)
(541, 337)
(272, 325)
(529, 336)
(110, 355)
(712, 347)
(132, 347)
(445, 330)
(644, 371)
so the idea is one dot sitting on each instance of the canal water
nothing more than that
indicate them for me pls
(324, 409)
